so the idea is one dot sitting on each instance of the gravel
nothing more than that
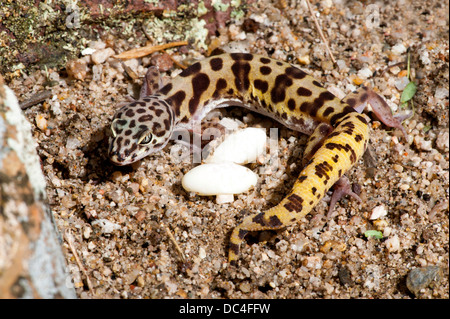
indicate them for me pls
(115, 213)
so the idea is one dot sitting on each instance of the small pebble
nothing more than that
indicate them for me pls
(201, 253)
(421, 278)
(162, 61)
(356, 33)
(107, 272)
(415, 161)
(97, 45)
(365, 73)
(441, 93)
(387, 231)
(229, 123)
(87, 232)
(77, 69)
(299, 245)
(140, 281)
(313, 262)
(72, 143)
(342, 65)
(100, 56)
(395, 70)
(140, 215)
(357, 80)
(305, 59)
(380, 224)
(131, 276)
(344, 28)
(224, 198)
(333, 245)
(401, 83)
(87, 51)
(106, 226)
(425, 58)
(245, 287)
(422, 144)
(404, 187)
(97, 70)
(398, 49)
(327, 65)
(41, 122)
(393, 244)
(378, 212)
(442, 141)
(134, 188)
(402, 73)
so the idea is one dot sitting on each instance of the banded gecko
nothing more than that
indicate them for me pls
(338, 130)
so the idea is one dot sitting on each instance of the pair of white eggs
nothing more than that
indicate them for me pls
(222, 174)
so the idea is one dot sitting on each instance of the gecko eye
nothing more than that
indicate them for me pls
(145, 138)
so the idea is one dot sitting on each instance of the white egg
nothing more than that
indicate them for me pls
(241, 147)
(219, 179)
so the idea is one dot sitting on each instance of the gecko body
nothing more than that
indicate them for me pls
(339, 133)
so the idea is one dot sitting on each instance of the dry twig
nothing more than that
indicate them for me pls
(324, 40)
(172, 239)
(143, 51)
(35, 99)
(69, 238)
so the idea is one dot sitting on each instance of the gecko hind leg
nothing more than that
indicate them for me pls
(342, 187)
(309, 188)
(358, 100)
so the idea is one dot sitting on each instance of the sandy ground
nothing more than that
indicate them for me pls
(119, 217)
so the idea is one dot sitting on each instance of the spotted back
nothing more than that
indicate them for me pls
(267, 86)
(140, 128)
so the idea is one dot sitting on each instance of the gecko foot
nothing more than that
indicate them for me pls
(340, 189)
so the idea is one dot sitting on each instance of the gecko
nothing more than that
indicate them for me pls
(338, 130)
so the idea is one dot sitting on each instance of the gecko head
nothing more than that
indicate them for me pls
(140, 128)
